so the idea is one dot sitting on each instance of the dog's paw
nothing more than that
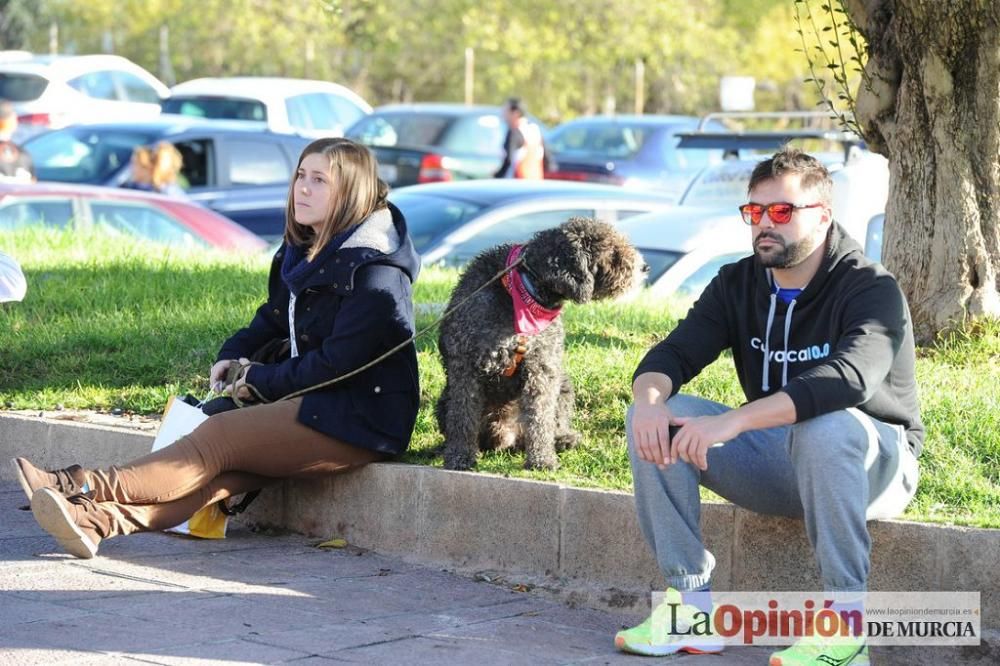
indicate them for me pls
(567, 440)
(542, 463)
(459, 463)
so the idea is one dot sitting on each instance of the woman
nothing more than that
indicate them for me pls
(340, 290)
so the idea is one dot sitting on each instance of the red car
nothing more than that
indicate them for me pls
(152, 217)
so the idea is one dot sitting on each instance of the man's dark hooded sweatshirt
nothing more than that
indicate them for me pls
(845, 341)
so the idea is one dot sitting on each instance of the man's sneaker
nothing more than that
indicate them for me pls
(821, 652)
(671, 628)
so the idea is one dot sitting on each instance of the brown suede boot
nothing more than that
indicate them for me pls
(68, 481)
(78, 522)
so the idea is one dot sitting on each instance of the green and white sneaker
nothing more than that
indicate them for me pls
(672, 627)
(822, 652)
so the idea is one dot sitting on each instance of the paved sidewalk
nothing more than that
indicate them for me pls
(162, 599)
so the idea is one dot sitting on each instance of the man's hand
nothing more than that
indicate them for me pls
(649, 432)
(699, 433)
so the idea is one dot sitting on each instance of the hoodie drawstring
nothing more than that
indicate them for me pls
(764, 384)
(788, 327)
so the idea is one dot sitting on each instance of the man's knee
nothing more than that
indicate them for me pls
(834, 434)
(690, 405)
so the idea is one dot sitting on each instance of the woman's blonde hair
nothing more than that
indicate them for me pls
(357, 190)
(142, 156)
(167, 163)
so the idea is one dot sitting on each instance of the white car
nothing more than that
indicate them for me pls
(289, 106)
(687, 245)
(49, 92)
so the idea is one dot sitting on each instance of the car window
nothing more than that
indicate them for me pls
(611, 140)
(80, 155)
(516, 229)
(319, 112)
(21, 87)
(695, 283)
(257, 163)
(16, 213)
(422, 129)
(142, 221)
(347, 112)
(137, 90)
(482, 135)
(217, 108)
(658, 262)
(196, 160)
(99, 85)
(298, 114)
(429, 218)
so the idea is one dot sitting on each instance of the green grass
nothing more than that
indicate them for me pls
(108, 326)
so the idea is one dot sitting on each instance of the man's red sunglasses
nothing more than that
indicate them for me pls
(780, 212)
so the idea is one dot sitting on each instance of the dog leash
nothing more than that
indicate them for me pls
(236, 368)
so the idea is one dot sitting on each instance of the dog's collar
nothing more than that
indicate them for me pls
(530, 315)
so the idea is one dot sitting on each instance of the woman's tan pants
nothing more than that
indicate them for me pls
(229, 454)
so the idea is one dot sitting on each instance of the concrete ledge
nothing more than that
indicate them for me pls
(582, 544)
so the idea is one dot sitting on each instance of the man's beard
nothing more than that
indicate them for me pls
(788, 256)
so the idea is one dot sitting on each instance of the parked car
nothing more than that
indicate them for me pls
(49, 92)
(860, 178)
(453, 222)
(292, 106)
(686, 245)
(237, 169)
(151, 217)
(426, 143)
(632, 151)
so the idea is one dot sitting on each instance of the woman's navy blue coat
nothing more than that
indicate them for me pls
(357, 306)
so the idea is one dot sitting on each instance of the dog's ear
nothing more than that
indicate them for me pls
(610, 259)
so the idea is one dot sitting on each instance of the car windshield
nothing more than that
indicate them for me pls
(428, 218)
(611, 140)
(82, 155)
(658, 261)
(217, 107)
(21, 87)
(400, 129)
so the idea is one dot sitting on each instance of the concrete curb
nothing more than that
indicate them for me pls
(583, 545)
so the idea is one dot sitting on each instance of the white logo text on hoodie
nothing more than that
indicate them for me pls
(793, 355)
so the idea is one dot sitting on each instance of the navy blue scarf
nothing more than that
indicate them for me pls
(296, 270)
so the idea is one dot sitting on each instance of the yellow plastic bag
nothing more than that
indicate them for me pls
(179, 419)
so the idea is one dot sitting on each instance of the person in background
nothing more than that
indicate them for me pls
(141, 168)
(524, 151)
(15, 163)
(156, 169)
(167, 163)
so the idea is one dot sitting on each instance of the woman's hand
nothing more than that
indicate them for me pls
(238, 387)
(217, 376)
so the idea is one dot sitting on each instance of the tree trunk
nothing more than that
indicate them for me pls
(930, 102)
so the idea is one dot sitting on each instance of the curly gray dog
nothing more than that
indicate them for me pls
(505, 384)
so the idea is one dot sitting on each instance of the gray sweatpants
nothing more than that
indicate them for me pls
(835, 471)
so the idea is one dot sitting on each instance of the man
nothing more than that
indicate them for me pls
(823, 347)
(524, 152)
(15, 164)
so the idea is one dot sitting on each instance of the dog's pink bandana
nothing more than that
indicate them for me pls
(530, 317)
